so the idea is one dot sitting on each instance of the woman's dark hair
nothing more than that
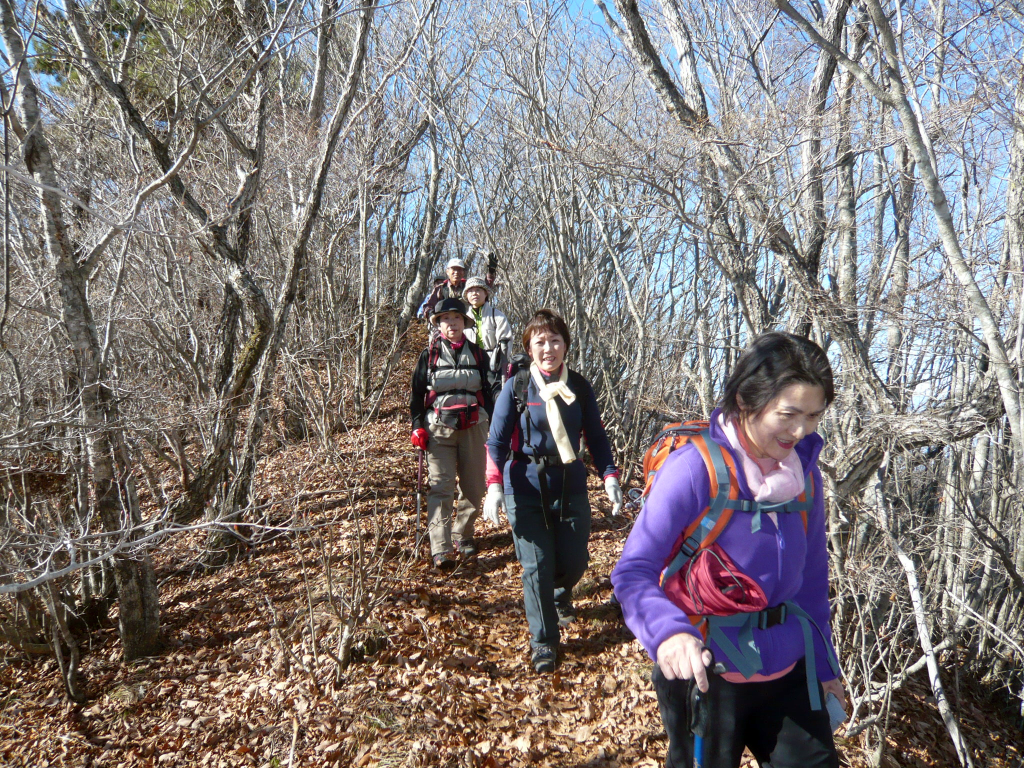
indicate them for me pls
(771, 363)
(546, 320)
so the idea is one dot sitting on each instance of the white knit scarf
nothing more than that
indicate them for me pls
(548, 392)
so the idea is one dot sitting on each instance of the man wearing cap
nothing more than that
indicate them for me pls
(447, 289)
(453, 393)
(490, 329)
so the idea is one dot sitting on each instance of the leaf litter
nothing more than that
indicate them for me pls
(439, 673)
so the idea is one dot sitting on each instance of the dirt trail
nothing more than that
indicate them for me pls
(439, 676)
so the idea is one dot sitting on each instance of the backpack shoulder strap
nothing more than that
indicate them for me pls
(703, 531)
(520, 387)
(808, 498)
(479, 355)
(433, 354)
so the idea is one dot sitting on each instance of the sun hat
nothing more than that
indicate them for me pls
(450, 305)
(476, 282)
(456, 263)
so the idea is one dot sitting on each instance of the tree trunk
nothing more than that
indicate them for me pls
(111, 474)
(324, 36)
(223, 544)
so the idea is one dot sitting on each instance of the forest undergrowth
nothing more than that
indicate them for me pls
(333, 642)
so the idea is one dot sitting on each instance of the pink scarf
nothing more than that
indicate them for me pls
(769, 480)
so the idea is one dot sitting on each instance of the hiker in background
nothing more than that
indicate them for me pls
(450, 288)
(453, 391)
(453, 283)
(766, 570)
(491, 330)
(540, 418)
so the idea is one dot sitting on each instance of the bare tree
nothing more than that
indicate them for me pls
(110, 469)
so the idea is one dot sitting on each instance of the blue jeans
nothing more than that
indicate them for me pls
(553, 560)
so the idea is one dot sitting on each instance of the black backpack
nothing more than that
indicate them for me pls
(519, 372)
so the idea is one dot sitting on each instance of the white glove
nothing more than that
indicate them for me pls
(494, 503)
(611, 487)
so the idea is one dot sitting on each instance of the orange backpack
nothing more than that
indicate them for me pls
(671, 438)
(724, 497)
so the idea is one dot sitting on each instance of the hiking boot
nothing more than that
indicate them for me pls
(543, 659)
(566, 614)
(466, 548)
(444, 562)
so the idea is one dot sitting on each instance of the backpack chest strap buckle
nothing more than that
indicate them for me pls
(771, 617)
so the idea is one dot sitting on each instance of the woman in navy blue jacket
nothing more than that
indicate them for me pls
(534, 472)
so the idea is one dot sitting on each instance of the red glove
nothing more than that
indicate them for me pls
(419, 438)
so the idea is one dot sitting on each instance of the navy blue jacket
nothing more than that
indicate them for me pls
(582, 419)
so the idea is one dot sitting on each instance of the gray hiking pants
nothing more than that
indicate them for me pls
(553, 559)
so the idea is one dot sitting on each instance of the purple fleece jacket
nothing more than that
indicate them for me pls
(788, 564)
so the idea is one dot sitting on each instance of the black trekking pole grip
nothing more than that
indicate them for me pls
(700, 710)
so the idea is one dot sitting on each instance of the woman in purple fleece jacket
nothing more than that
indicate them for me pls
(766, 421)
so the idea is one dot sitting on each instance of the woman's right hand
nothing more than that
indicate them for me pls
(683, 656)
(420, 438)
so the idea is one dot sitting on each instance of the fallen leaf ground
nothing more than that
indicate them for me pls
(439, 674)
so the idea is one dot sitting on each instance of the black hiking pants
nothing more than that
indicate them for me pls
(773, 719)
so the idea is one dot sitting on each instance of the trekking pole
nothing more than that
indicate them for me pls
(700, 718)
(700, 713)
(419, 499)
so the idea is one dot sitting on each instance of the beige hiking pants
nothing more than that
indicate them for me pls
(455, 456)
